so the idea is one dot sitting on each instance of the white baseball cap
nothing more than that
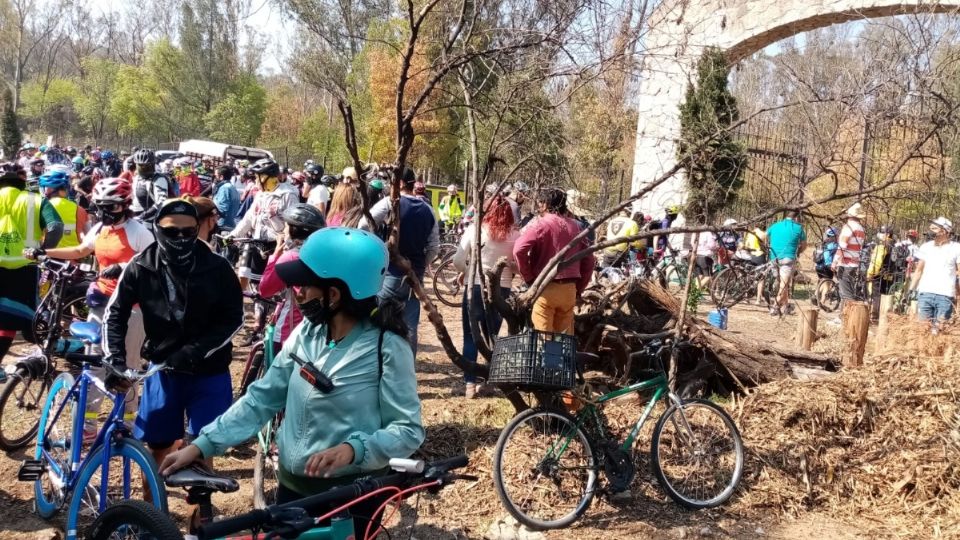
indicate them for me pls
(943, 223)
(856, 211)
(729, 222)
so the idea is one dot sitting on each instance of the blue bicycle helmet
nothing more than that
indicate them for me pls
(355, 257)
(106, 154)
(56, 180)
(831, 232)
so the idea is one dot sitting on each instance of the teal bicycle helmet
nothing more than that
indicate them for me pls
(355, 257)
(55, 180)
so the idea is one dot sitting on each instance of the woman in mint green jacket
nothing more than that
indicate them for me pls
(368, 414)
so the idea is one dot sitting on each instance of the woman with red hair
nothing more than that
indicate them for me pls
(497, 236)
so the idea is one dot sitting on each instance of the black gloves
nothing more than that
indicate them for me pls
(111, 272)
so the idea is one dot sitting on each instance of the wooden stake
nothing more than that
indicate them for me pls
(886, 304)
(856, 326)
(807, 327)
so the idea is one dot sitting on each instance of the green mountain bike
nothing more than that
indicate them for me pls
(547, 462)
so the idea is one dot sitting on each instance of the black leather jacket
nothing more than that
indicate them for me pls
(199, 341)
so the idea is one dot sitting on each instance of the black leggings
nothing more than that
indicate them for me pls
(360, 512)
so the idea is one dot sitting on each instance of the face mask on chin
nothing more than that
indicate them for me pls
(110, 218)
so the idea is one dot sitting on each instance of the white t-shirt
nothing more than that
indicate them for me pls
(939, 268)
(318, 195)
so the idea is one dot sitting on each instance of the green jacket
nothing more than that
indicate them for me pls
(378, 416)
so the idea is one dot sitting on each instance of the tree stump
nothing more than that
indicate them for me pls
(807, 328)
(856, 326)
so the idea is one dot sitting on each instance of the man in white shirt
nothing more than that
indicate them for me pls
(935, 275)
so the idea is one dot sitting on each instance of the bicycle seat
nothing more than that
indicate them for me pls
(197, 475)
(89, 331)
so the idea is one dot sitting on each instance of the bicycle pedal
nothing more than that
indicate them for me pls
(30, 470)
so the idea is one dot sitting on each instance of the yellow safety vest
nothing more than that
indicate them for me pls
(19, 226)
(68, 213)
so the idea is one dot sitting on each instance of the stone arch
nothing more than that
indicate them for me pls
(679, 32)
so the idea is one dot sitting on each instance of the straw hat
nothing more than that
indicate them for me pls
(856, 211)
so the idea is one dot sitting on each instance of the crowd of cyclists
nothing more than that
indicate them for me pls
(162, 236)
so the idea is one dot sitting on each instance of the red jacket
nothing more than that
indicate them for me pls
(189, 184)
(542, 239)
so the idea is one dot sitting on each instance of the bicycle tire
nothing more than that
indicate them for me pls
(264, 473)
(446, 286)
(656, 456)
(122, 519)
(726, 287)
(515, 508)
(21, 381)
(73, 306)
(828, 300)
(251, 371)
(126, 449)
(48, 506)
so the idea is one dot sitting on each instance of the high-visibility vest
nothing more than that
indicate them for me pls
(68, 213)
(19, 226)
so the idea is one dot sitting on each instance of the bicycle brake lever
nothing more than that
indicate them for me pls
(290, 523)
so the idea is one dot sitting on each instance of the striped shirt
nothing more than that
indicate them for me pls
(852, 239)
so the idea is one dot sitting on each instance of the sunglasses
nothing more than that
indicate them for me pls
(179, 232)
(109, 208)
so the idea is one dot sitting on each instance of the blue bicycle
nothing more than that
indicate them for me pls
(89, 482)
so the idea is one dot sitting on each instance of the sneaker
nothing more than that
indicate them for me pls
(789, 310)
(774, 312)
(471, 391)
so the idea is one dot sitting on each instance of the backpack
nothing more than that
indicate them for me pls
(818, 258)
(899, 256)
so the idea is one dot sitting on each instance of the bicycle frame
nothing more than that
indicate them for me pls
(268, 334)
(339, 529)
(67, 480)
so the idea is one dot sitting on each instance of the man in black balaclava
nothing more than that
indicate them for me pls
(192, 306)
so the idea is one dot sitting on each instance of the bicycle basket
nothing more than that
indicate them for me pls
(535, 361)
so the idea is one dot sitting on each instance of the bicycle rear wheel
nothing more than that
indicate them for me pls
(544, 469)
(727, 287)
(132, 474)
(697, 454)
(21, 406)
(828, 296)
(446, 284)
(133, 520)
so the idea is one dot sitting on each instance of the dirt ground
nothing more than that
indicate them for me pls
(466, 509)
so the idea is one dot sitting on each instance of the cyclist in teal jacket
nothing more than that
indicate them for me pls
(370, 412)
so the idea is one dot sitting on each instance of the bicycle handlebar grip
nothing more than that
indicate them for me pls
(219, 529)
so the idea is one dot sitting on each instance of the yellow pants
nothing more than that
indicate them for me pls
(553, 310)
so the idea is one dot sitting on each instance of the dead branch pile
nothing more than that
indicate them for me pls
(882, 442)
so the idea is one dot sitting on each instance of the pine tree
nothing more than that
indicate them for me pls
(9, 130)
(714, 171)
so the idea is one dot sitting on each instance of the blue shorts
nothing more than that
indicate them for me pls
(169, 397)
(934, 306)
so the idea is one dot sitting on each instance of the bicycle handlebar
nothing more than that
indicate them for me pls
(436, 470)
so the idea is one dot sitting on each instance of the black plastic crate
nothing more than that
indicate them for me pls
(535, 361)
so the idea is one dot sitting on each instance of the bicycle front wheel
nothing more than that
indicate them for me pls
(132, 520)
(21, 405)
(131, 474)
(697, 454)
(265, 481)
(544, 469)
(828, 297)
(56, 437)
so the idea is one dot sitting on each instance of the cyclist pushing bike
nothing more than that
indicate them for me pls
(192, 307)
(345, 378)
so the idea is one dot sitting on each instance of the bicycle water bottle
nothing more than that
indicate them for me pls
(67, 346)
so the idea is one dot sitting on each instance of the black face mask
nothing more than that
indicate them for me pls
(177, 252)
(110, 218)
(317, 310)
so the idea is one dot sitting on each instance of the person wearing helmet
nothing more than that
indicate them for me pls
(823, 257)
(301, 220)
(880, 269)
(28, 224)
(54, 185)
(621, 226)
(111, 165)
(349, 175)
(226, 197)
(450, 208)
(263, 220)
(368, 414)
(150, 188)
(78, 163)
(36, 171)
(113, 242)
(192, 307)
(375, 191)
(315, 190)
(419, 242)
(729, 239)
